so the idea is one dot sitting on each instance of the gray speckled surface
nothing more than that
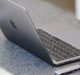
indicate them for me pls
(16, 60)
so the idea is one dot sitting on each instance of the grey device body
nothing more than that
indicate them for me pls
(67, 70)
(17, 26)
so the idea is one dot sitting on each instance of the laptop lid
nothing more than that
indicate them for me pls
(17, 26)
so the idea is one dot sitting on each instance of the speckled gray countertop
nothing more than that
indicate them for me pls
(15, 60)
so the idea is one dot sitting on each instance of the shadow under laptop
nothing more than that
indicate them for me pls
(16, 61)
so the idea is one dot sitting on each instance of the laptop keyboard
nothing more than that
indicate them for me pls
(58, 49)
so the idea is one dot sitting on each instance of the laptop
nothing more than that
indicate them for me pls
(43, 42)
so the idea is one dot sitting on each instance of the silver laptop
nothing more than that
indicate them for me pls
(41, 41)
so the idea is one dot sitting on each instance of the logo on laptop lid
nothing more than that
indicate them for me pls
(13, 24)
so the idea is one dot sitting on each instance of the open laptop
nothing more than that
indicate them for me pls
(18, 27)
